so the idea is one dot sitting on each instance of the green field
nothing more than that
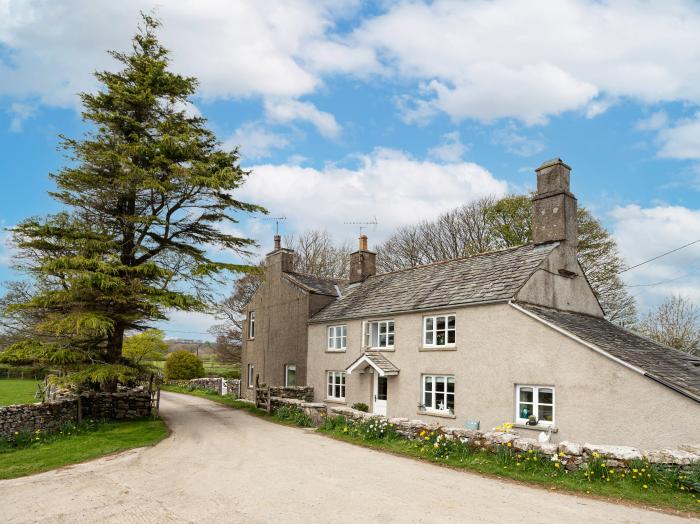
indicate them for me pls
(57, 451)
(212, 368)
(16, 391)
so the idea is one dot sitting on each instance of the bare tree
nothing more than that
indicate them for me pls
(316, 254)
(675, 323)
(488, 224)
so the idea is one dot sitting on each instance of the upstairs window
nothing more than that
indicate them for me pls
(439, 331)
(251, 324)
(337, 338)
(534, 401)
(379, 334)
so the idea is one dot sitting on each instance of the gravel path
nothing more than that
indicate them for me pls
(222, 465)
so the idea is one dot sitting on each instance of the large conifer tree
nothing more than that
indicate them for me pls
(145, 195)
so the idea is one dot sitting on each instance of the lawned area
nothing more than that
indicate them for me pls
(77, 445)
(16, 391)
(641, 484)
(213, 368)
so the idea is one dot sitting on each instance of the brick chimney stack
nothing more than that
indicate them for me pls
(280, 259)
(278, 243)
(554, 207)
(363, 262)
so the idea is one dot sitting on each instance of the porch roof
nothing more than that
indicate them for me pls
(375, 360)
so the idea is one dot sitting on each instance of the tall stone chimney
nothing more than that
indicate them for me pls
(363, 262)
(554, 207)
(280, 258)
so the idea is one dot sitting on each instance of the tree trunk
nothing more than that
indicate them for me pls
(114, 353)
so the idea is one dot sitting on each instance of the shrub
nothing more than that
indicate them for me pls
(361, 406)
(293, 414)
(183, 365)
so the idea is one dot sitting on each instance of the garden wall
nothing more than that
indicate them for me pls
(69, 408)
(570, 454)
(233, 385)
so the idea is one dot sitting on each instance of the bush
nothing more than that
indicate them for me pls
(361, 406)
(293, 414)
(183, 365)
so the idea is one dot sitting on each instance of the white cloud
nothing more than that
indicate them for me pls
(21, 112)
(682, 140)
(533, 60)
(516, 142)
(644, 233)
(388, 184)
(450, 150)
(653, 122)
(188, 325)
(286, 111)
(254, 141)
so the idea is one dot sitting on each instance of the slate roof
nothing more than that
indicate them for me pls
(486, 277)
(318, 285)
(664, 364)
(379, 360)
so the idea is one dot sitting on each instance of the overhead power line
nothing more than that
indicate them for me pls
(659, 256)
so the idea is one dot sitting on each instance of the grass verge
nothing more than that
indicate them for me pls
(96, 441)
(651, 492)
(17, 391)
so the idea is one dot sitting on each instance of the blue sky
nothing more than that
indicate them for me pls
(398, 110)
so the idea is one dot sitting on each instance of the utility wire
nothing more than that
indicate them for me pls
(659, 256)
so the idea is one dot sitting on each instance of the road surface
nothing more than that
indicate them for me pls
(222, 465)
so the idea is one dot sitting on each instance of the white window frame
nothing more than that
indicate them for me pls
(251, 376)
(367, 334)
(251, 325)
(335, 379)
(433, 393)
(287, 369)
(535, 404)
(337, 334)
(434, 331)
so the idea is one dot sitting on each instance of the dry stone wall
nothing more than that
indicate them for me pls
(233, 385)
(70, 408)
(572, 455)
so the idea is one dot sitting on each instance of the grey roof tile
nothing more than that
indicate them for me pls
(486, 277)
(666, 364)
(318, 285)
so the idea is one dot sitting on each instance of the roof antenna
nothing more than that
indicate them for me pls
(277, 222)
(365, 225)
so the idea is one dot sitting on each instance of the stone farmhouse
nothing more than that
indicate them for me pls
(515, 335)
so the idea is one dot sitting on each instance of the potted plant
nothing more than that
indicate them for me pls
(531, 420)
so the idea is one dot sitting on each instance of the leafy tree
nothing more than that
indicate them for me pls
(183, 365)
(675, 323)
(145, 193)
(142, 347)
(493, 224)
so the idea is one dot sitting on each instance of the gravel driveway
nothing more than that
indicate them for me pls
(222, 465)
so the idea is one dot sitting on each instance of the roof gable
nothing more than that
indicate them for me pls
(487, 277)
(666, 365)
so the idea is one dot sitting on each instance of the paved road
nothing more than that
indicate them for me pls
(221, 465)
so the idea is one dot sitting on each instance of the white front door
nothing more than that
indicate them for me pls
(380, 395)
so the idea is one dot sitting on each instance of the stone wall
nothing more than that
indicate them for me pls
(233, 385)
(305, 393)
(48, 417)
(124, 405)
(70, 409)
(572, 455)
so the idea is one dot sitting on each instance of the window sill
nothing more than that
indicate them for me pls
(436, 414)
(538, 427)
(381, 350)
(335, 401)
(438, 348)
(336, 351)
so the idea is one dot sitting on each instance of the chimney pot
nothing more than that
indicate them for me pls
(278, 242)
(363, 243)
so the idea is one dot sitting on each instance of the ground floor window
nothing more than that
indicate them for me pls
(536, 402)
(336, 385)
(439, 393)
(290, 375)
(251, 375)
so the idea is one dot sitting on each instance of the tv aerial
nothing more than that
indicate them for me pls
(277, 221)
(364, 225)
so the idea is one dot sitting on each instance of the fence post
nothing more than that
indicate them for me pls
(269, 402)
